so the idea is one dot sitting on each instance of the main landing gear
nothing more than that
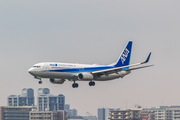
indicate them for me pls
(91, 83)
(75, 85)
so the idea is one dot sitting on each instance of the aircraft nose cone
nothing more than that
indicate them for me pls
(31, 71)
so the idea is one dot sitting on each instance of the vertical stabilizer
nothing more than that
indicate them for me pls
(124, 58)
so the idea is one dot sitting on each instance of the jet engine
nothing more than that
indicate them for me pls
(57, 81)
(85, 76)
(123, 73)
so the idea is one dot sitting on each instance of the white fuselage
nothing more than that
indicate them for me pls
(70, 71)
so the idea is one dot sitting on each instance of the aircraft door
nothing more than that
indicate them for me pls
(46, 67)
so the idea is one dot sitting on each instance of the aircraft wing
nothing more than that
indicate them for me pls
(139, 67)
(117, 69)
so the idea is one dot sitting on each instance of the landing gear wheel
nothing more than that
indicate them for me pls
(75, 85)
(91, 83)
(40, 82)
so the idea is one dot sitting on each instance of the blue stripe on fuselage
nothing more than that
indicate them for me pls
(77, 70)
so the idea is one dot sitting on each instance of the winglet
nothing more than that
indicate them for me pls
(147, 60)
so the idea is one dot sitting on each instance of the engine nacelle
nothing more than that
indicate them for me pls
(57, 81)
(85, 76)
(123, 73)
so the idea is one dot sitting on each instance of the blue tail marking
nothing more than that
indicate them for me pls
(125, 57)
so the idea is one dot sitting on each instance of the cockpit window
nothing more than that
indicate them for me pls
(37, 66)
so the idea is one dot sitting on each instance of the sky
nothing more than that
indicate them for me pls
(91, 31)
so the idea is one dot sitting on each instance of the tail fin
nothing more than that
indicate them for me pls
(124, 58)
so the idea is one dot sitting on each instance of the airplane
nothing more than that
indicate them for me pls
(58, 73)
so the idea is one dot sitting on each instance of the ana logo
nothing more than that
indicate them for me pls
(124, 55)
(53, 64)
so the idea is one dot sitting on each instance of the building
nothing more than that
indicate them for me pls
(15, 113)
(43, 91)
(47, 115)
(61, 102)
(66, 107)
(43, 115)
(165, 112)
(101, 114)
(49, 102)
(13, 100)
(145, 115)
(104, 113)
(61, 114)
(90, 118)
(25, 99)
(125, 114)
(71, 112)
(76, 118)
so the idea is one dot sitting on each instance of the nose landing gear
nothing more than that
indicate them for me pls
(40, 82)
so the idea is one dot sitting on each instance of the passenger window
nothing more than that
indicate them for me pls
(37, 66)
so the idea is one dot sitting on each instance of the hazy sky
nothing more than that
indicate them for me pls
(92, 31)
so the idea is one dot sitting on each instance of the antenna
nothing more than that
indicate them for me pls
(126, 104)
